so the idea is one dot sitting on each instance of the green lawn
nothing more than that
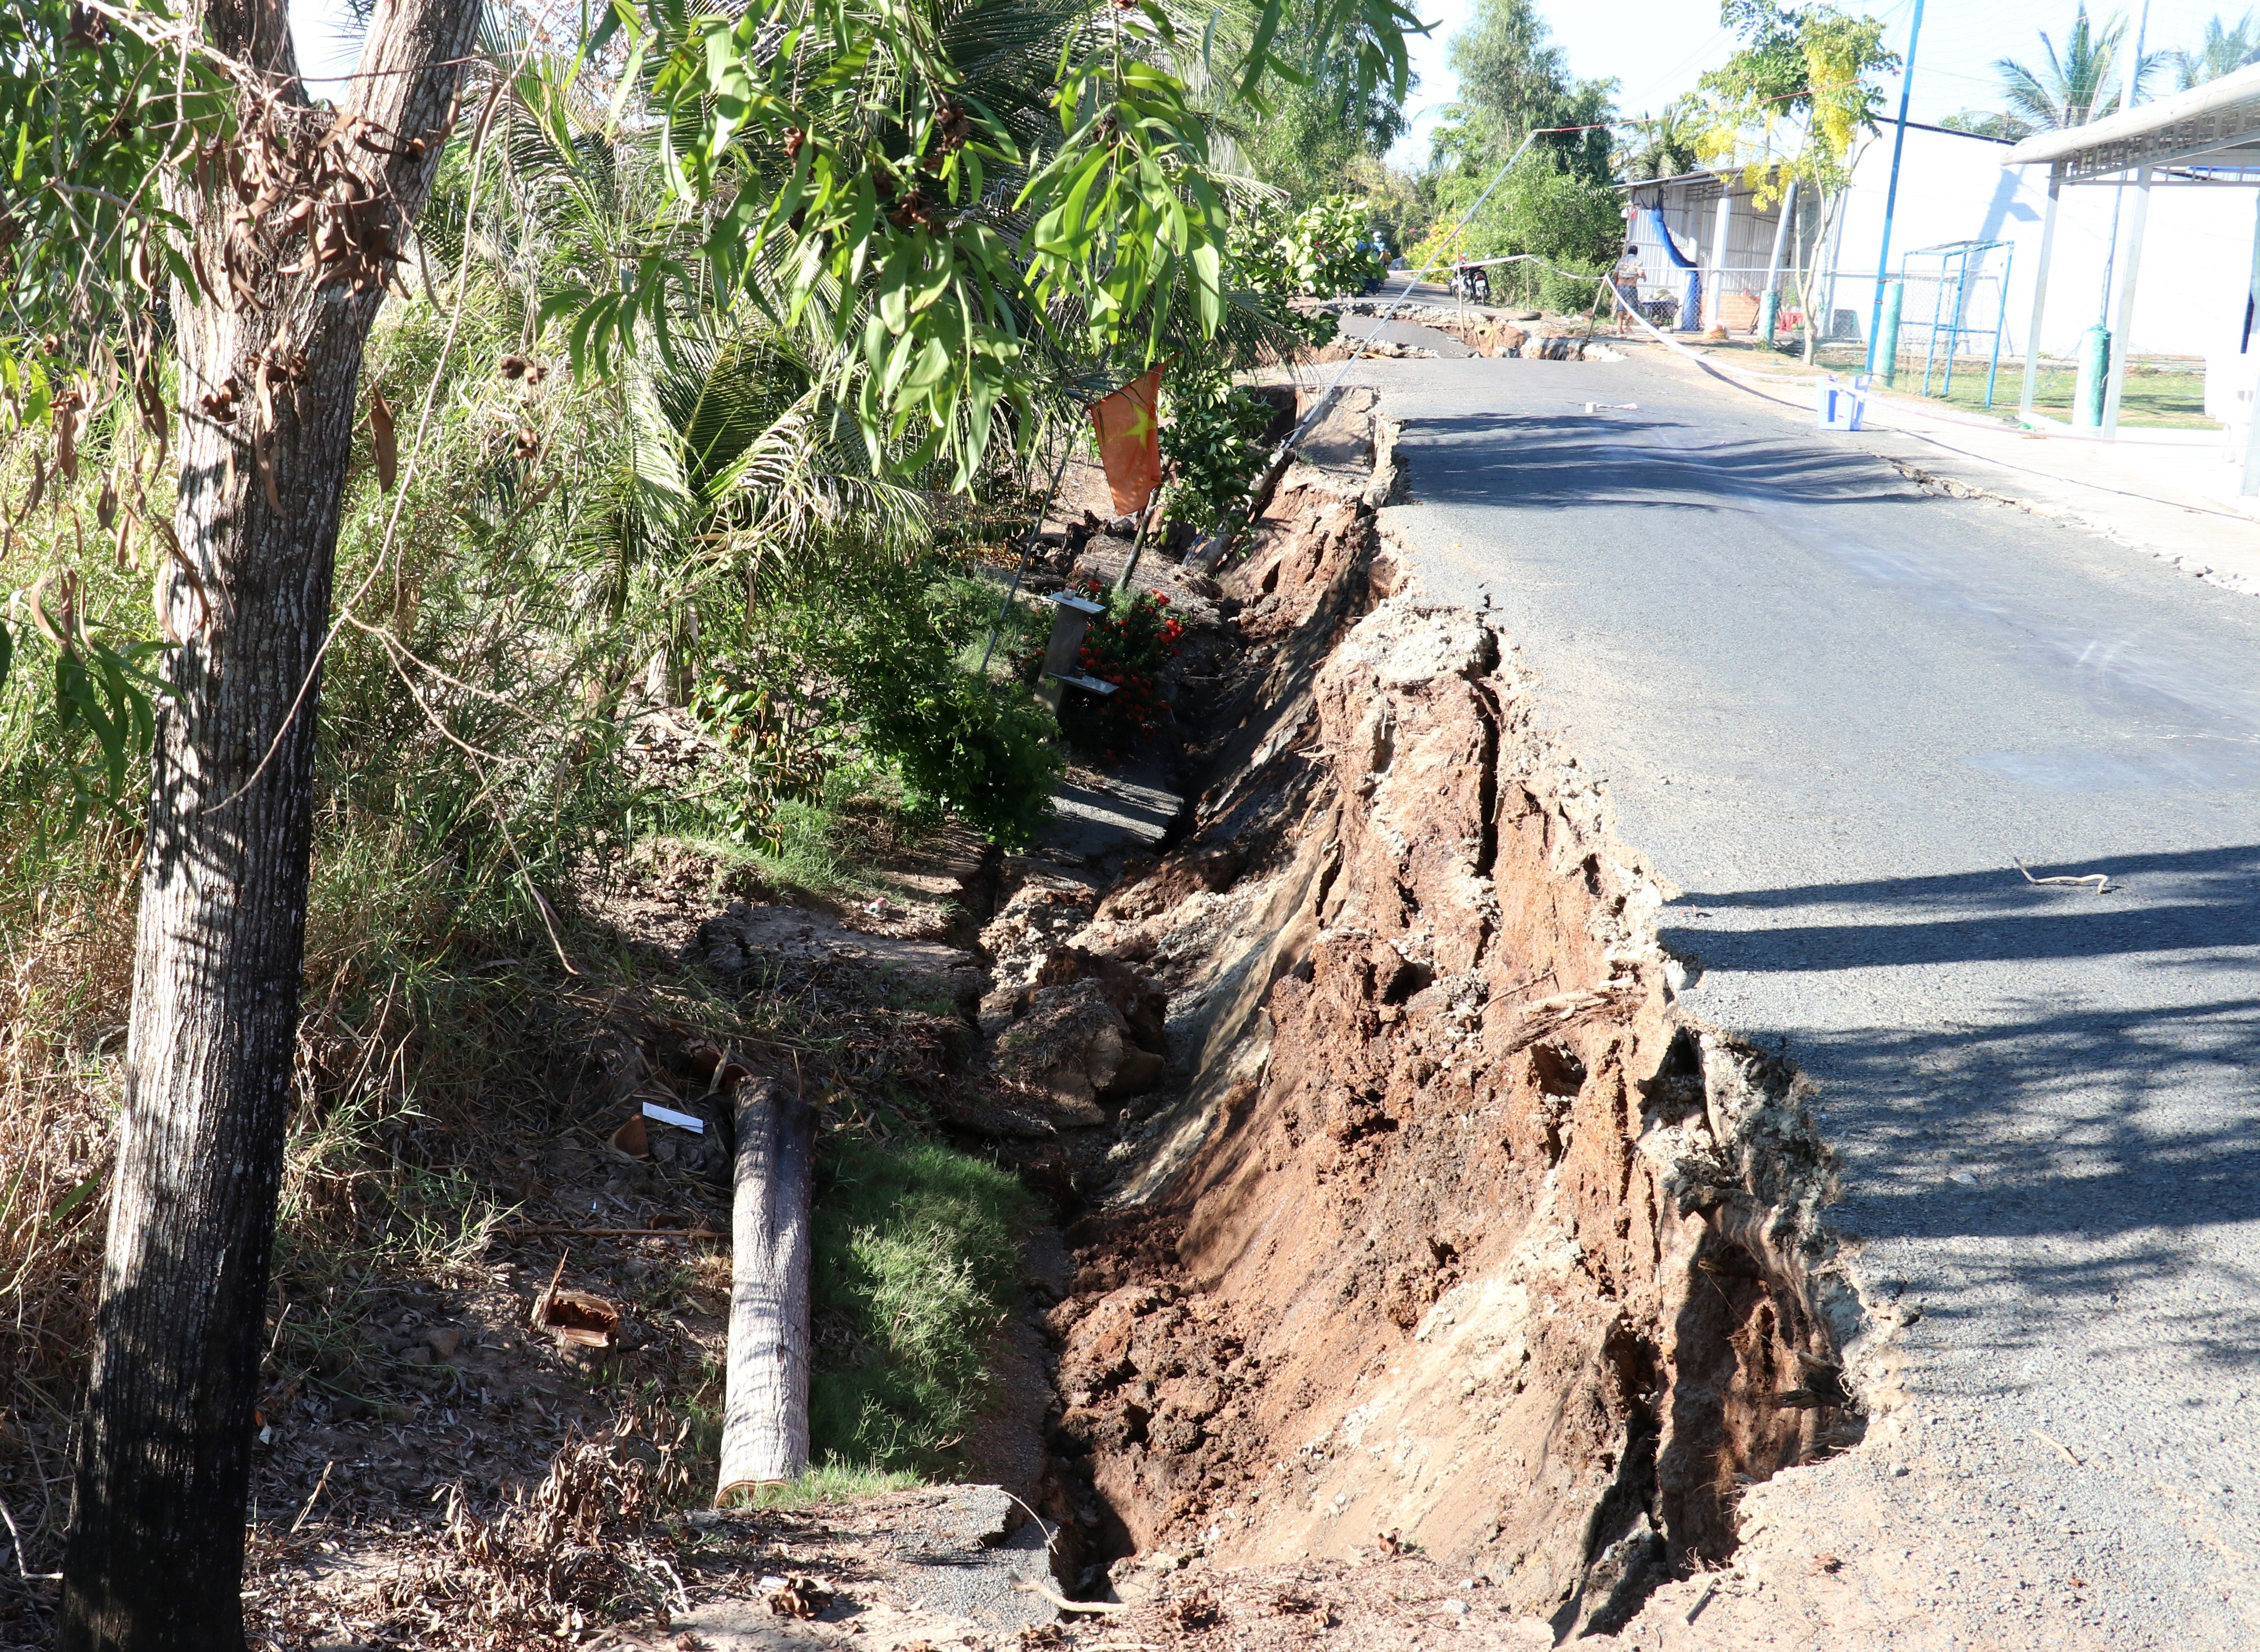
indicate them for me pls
(2168, 395)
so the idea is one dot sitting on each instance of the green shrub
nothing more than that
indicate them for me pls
(1545, 207)
(881, 663)
(1210, 442)
(1321, 251)
(983, 751)
(917, 1263)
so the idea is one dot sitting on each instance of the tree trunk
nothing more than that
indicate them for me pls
(765, 1414)
(155, 1556)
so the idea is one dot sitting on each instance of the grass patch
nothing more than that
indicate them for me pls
(2159, 395)
(830, 848)
(830, 1482)
(918, 1254)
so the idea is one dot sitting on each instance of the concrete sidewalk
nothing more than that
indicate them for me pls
(2168, 492)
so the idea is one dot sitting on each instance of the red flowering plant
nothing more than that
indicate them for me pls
(1131, 646)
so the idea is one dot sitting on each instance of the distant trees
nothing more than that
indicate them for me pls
(2085, 80)
(2080, 84)
(2224, 50)
(1792, 102)
(1665, 146)
(1513, 81)
(1560, 204)
(1326, 136)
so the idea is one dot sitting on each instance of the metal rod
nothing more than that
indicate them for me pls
(1954, 331)
(1891, 195)
(2127, 278)
(2040, 297)
(2001, 310)
(1930, 344)
(1036, 527)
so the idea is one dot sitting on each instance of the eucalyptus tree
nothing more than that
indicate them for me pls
(178, 197)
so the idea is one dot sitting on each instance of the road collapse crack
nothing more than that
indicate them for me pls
(1459, 1227)
(1487, 713)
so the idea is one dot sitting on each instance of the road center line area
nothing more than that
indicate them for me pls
(1834, 711)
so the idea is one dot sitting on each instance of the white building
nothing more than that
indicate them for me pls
(2190, 300)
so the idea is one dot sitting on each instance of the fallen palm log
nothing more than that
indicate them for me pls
(765, 1410)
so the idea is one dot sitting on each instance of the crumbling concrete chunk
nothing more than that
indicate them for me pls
(1044, 912)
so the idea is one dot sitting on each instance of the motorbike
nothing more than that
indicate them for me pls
(1472, 282)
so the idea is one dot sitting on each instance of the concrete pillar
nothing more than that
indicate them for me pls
(2040, 299)
(2130, 272)
(2249, 484)
(1715, 285)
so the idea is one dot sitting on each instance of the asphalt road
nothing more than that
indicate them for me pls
(1833, 710)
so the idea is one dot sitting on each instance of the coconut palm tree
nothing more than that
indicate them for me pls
(2081, 85)
(2224, 49)
(1665, 145)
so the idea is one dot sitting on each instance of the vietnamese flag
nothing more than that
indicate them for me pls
(1130, 440)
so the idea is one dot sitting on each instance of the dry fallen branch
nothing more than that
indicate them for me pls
(2101, 880)
(1030, 1586)
(559, 1230)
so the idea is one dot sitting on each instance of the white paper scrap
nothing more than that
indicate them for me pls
(668, 1115)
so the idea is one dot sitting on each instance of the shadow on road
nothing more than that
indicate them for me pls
(1526, 461)
(2200, 902)
(2111, 1134)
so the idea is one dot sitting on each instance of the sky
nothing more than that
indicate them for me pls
(1655, 49)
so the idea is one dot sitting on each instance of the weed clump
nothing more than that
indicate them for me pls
(918, 1252)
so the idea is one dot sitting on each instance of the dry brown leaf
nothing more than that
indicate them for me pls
(579, 1317)
(801, 1597)
(70, 412)
(385, 438)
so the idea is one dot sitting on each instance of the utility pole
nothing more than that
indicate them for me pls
(1891, 195)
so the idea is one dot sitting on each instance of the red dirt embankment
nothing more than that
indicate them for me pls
(1461, 1237)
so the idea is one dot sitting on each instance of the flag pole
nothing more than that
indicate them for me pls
(1138, 544)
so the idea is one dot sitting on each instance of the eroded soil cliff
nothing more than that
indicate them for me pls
(1455, 1236)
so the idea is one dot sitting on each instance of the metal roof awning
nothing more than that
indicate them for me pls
(2209, 134)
